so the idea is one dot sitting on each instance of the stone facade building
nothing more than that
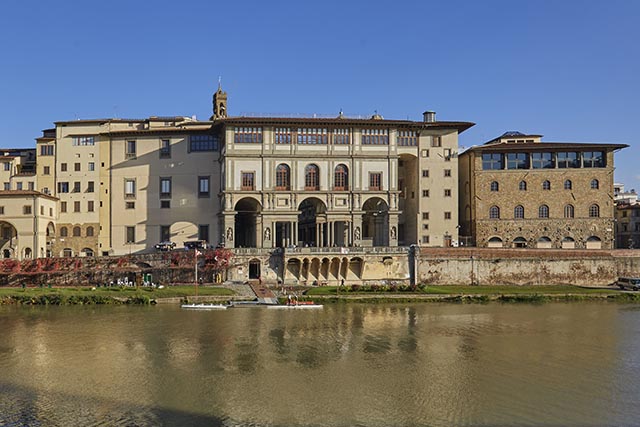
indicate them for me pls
(628, 225)
(519, 192)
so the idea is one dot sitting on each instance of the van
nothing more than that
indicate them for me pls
(195, 244)
(628, 283)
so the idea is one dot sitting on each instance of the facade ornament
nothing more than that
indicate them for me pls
(357, 233)
(229, 234)
(267, 233)
(393, 232)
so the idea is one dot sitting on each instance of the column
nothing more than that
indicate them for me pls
(294, 225)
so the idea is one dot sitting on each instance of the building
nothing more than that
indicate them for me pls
(517, 191)
(628, 225)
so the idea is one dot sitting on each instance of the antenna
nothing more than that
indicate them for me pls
(219, 82)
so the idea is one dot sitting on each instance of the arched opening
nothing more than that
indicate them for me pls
(312, 223)
(28, 253)
(375, 223)
(355, 269)
(246, 220)
(67, 252)
(494, 242)
(543, 243)
(8, 239)
(311, 177)
(519, 242)
(254, 269)
(87, 252)
(568, 243)
(594, 242)
(341, 178)
(283, 177)
(49, 239)
(293, 269)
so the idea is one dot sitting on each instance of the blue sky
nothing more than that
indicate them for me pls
(569, 70)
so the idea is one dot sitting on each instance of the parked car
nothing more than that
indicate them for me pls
(629, 283)
(165, 246)
(195, 244)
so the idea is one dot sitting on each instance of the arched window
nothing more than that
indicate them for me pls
(283, 181)
(494, 212)
(311, 177)
(568, 211)
(64, 232)
(594, 211)
(341, 178)
(518, 212)
(522, 186)
(546, 185)
(87, 252)
(567, 184)
(89, 231)
(495, 186)
(76, 231)
(67, 252)
(595, 184)
(543, 211)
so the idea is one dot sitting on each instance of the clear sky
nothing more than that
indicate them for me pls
(568, 70)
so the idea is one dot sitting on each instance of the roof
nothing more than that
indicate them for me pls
(22, 193)
(513, 134)
(546, 146)
(205, 127)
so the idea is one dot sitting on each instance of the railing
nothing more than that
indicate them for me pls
(348, 250)
(253, 251)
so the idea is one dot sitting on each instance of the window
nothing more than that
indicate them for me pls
(341, 178)
(447, 215)
(312, 136)
(517, 161)
(90, 187)
(83, 140)
(518, 212)
(31, 186)
(447, 173)
(542, 161)
(203, 186)
(447, 154)
(64, 232)
(494, 212)
(91, 167)
(7, 166)
(76, 167)
(407, 138)
(26, 210)
(19, 185)
(129, 188)
(312, 177)
(247, 181)
(63, 187)
(282, 135)
(1, 210)
(341, 136)
(46, 150)
(375, 181)
(247, 135)
(546, 185)
(436, 141)
(594, 211)
(76, 231)
(76, 187)
(492, 161)
(165, 187)
(203, 232)
(67, 252)
(90, 205)
(165, 233)
(424, 153)
(425, 216)
(425, 173)
(7, 186)
(130, 235)
(568, 211)
(593, 159)
(567, 160)
(46, 170)
(375, 136)
(283, 177)
(130, 205)
(89, 231)
(165, 204)
(522, 186)
(447, 192)
(165, 149)
(63, 207)
(567, 184)
(203, 143)
(543, 211)
(425, 226)
(425, 239)
(425, 193)
(76, 206)
(495, 186)
(130, 152)
(63, 167)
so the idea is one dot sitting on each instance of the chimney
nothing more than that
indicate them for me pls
(429, 116)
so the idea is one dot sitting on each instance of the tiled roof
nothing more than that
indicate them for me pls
(22, 193)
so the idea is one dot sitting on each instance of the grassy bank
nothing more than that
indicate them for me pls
(457, 290)
(85, 295)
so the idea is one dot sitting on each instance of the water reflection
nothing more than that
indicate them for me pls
(429, 364)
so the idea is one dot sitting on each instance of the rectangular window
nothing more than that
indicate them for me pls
(407, 138)
(165, 187)
(542, 161)
(425, 226)
(375, 136)
(130, 205)
(130, 235)
(7, 186)
(7, 166)
(19, 185)
(130, 149)
(424, 153)
(425, 173)
(203, 232)
(91, 167)
(165, 204)
(31, 186)
(593, 159)
(341, 136)
(63, 207)
(247, 181)
(203, 143)
(90, 206)
(26, 209)
(1, 210)
(165, 233)
(566, 160)
(76, 187)
(41, 210)
(129, 188)
(492, 161)
(247, 135)
(447, 192)
(63, 187)
(76, 206)
(425, 193)
(90, 187)
(436, 141)
(46, 170)
(425, 216)
(76, 167)
(447, 173)
(165, 148)
(63, 167)
(375, 181)
(50, 211)
(447, 215)
(203, 186)
(282, 136)
(312, 136)
(517, 161)
(425, 239)
(46, 150)
(83, 140)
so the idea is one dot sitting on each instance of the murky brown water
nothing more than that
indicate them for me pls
(347, 365)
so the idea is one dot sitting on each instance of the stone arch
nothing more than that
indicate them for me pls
(254, 268)
(594, 242)
(356, 265)
(87, 252)
(324, 268)
(568, 243)
(314, 269)
(519, 242)
(248, 211)
(67, 252)
(50, 235)
(293, 269)
(334, 269)
(544, 242)
(494, 242)
(344, 268)
(8, 239)
(312, 222)
(375, 222)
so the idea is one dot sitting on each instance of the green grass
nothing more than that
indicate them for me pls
(167, 292)
(470, 290)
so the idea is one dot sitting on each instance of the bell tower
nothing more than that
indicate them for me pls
(219, 103)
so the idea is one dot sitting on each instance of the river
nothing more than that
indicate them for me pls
(427, 364)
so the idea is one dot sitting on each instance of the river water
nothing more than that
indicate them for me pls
(424, 364)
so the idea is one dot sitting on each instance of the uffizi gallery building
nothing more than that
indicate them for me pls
(103, 187)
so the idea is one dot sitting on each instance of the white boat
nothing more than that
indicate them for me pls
(296, 306)
(204, 306)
